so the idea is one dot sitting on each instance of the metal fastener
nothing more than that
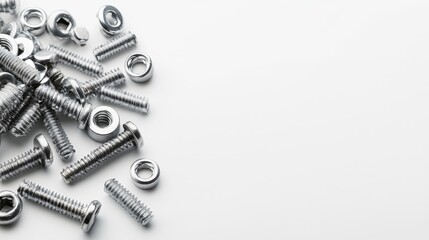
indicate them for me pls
(17, 67)
(111, 20)
(64, 104)
(128, 201)
(80, 35)
(145, 183)
(115, 45)
(84, 213)
(77, 62)
(9, 6)
(53, 24)
(56, 131)
(137, 58)
(104, 124)
(128, 138)
(39, 155)
(14, 202)
(26, 120)
(124, 99)
(34, 28)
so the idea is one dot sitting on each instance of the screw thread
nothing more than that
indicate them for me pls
(1, 22)
(128, 201)
(98, 157)
(17, 67)
(58, 101)
(115, 45)
(22, 163)
(112, 78)
(26, 120)
(10, 98)
(8, 6)
(124, 99)
(77, 62)
(57, 133)
(56, 78)
(52, 200)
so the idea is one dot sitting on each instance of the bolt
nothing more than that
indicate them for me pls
(85, 214)
(80, 36)
(64, 104)
(77, 62)
(124, 99)
(17, 67)
(9, 6)
(26, 120)
(10, 98)
(129, 137)
(57, 133)
(57, 78)
(46, 58)
(128, 201)
(40, 155)
(26, 100)
(115, 45)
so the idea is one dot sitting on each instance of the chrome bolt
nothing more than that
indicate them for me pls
(17, 67)
(77, 62)
(84, 213)
(56, 131)
(26, 120)
(27, 99)
(128, 201)
(115, 45)
(124, 99)
(64, 104)
(56, 78)
(129, 137)
(40, 155)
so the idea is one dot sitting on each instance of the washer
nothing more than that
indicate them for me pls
(26, 46)
(139, 58)
(107, 27)
(104, 124)
(53, 27)
(12, 200)
(9, 43)
(33, 12)
(145, 183)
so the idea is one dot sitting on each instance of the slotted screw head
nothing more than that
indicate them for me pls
(80, 36)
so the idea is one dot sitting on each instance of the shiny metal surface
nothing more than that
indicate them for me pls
(80, 36)
(115, 45)
(111, 20)
(145, 183)
(14, 202)
(9, 43)
(26, 47)
(135, 59)
(34, 28)
(103, 124)
(12, 29)
(60, 24)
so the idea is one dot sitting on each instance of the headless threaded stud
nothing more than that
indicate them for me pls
(112, 78)
(77, 62)
(128, 201)
(9, 6)
(17, 67)
(115, 45)
(84, 213)
(124, 99)
(56, 131)
(64, 104)
(39, 155)
(96, 158)
(26, 120)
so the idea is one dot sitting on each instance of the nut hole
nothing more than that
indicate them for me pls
(145, 171)
(139, 67)
(103, 119)
(112, 18)
(64, 24)
(34, 18)
(6, 204)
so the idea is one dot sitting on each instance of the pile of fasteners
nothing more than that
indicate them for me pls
(33, 88)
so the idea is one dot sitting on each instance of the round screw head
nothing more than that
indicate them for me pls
(73, 87)
(138, 139)
(90, 216)
(84, 115)
(41, 142)
(80, 36)
(8, 198)
(47, 58)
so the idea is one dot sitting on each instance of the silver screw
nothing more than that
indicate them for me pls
(128, 201)
(10, 98)
(9, 6)
(26, 100)
(84, 213)
(129, 137)
(115, 45)
(64, 104)
(57, 133)
(1, 22)
(17, 67)
(77, 62)
(56, 78)
(124, 99)
(39, 155)
(26, 120)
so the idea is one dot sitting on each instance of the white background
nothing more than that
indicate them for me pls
(270, 119)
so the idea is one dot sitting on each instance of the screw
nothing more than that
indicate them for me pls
(26, 120)
(9, 6)
(128, 201)
(80, 36)
(10, 98)
(27, 98)
(129, 137)
(40, 155)
(115, 45)
(1, 22)
(57, 133)
(17, 67)
(77, 62)
(64, 104)
(124, 99)
(85, 214)
(56, 78)
(46, 58)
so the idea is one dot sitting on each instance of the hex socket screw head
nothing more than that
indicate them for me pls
(85, 214)
(39, 156)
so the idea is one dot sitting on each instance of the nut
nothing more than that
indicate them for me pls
(135, 59)
(14, 203)
(60, 24)
(28, 13)
(111, 20)
(145, 183)
(104, 124)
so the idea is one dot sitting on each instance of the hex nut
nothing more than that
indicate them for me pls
(14, 202)
(104, 124)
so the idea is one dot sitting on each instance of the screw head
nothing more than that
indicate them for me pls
(80, 36)
(47, 58)
(84, 115)
(90, 216)
(41, 142)
(72, 86)
(138, 139)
